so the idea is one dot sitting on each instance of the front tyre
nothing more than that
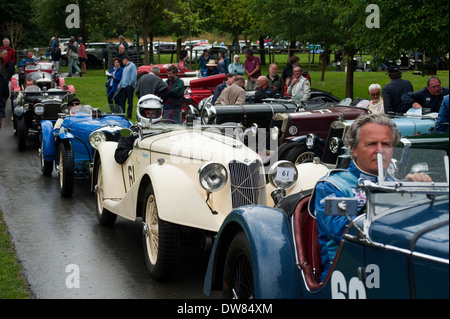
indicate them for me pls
(238, 281)
(104, 216)
(21, 132)
(161, 240)
(46, 166)
(66, 169)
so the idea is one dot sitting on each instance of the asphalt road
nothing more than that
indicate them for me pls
(64, 252)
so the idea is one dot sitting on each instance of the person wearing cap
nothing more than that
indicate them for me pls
(393, 91)
(212, 68)
(234, 94)
(429, 97)
(236, 68)
(229, 80)
(127, 85)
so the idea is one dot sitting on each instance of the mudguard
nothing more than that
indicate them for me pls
(172, 198)
(272, 252)
(48, 141)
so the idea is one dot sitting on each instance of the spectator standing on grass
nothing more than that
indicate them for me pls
(151, 83)
(4, 89)
(82, 57)
(123, 42)
(72, 57)
(121, 54)
(394, 90)
(114, 79)
(127, 85)
(252, 69)
(56, 58)
(10, 60)
(224, 62)
(202, 61)
(236, 68)
(172, 104)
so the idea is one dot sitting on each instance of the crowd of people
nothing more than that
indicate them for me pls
(398, 96)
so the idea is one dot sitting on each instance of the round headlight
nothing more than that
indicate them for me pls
(212, 176)
(96, 138)
(335, 145)
(283, 174)
(208, 115)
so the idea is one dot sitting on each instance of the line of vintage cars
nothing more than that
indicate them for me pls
(205, 179)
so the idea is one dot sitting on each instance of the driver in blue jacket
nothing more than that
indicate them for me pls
(368, 135)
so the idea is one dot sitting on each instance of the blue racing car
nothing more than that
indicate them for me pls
(69, 144)
(397, 248)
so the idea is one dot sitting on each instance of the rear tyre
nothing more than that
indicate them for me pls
(161, 240)
(238, 277)
(66, 169)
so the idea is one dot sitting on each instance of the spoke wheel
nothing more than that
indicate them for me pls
(238, 272)
(300, 154)
(161, 240)
(104, 216)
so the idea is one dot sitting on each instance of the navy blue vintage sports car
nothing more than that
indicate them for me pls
(69, 144)
(397, 248)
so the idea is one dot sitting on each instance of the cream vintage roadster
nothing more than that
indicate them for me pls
(183, 179)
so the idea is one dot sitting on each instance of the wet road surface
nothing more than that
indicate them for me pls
(64, 252)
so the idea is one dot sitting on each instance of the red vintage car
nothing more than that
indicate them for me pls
(182, 72)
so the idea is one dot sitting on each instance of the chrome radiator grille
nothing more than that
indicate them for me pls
(247, 183)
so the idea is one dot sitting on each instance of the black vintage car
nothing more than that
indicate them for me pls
(34, 105)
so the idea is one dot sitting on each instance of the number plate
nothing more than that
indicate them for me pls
(39, 110)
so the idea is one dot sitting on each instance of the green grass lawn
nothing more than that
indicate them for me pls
(12, 283)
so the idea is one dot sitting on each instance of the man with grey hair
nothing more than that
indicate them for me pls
(151, 83)
(369, 135)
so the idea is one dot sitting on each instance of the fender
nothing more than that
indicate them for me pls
(48, 141)
(65, 135)
(113, 185)
(272, 252)
(172, 198)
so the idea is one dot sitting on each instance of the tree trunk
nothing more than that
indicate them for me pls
(262, 51)
(350, 74)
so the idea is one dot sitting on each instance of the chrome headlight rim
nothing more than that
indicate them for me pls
(208, 115)
(335, 145)
(96, 137)
(212, 176)
(283, 174)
